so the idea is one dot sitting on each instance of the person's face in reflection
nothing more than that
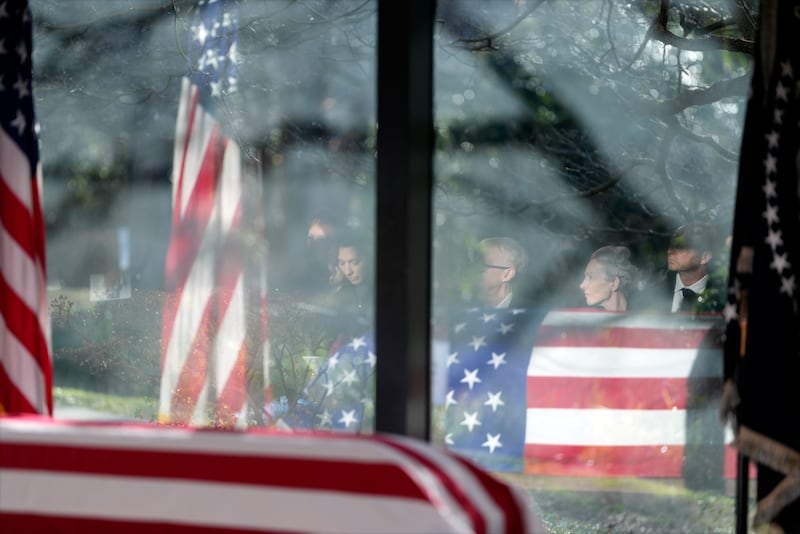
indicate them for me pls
(681, 259)
(351, 265)
(684, 255)
(597, 288)
(496, 272)
(319, 230)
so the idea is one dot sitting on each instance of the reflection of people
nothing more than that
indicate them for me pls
(608, 277)
(504, 260)
(352, 261)
(688, 258)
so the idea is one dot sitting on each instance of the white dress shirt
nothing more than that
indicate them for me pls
(677, 297)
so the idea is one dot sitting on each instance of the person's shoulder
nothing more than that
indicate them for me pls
(714, 296)
(655, 295)
(522, 301)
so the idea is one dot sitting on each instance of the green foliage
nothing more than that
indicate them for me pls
(109, 347)
(300, 338)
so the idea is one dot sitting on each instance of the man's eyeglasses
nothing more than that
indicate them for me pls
(491, 266)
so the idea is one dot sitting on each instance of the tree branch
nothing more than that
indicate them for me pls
(737, 87)
(713, 43)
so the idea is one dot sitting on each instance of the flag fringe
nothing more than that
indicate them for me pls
(777, 456)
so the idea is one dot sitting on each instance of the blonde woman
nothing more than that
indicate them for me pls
(608, 278)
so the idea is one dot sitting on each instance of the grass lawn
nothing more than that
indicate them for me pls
(627, 505)
(142, 408)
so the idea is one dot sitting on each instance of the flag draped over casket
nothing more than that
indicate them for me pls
(58, 476)
(762, 352)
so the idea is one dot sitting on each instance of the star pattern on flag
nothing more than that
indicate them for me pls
(492, 442)
(494, 400)
(214, 56)
(471, 420)
(774, 239)
(471, 378)
(497, 360)
(505, 328)
(485, 403)
(452, 358)
(340, 395)
(21, 101)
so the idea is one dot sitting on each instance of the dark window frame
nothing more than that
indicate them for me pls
(403, 216)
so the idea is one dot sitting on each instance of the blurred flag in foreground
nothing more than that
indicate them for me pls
(762, 353)
(214, 331)
(26, 371)
(115, 477)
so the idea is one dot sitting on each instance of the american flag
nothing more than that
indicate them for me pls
(89, 477)
(208, 326)
(484, 406)
(340, 396)
(762, 351)
(26, 374)
(584, 392)
(627, 394)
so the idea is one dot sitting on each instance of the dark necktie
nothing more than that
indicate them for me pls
(689, 300)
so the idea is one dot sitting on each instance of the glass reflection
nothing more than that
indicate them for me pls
(298, 101)
(591, 134)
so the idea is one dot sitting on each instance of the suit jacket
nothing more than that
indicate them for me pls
(707, 301)
(658, 297)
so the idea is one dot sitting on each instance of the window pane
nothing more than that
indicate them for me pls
(575, 140)
(286, 244)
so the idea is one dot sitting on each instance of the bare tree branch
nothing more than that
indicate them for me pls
(487, 41)
(663, 172)
(713, 43)
(707, 140)
(737, 87)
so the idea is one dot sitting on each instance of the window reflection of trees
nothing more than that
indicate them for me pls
(568, 124)
(573, 125)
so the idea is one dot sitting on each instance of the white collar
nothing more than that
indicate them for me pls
(697, 287)
(506, 302)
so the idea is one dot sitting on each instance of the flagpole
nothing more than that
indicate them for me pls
(744, 271)
(742, 487)
(255, 284)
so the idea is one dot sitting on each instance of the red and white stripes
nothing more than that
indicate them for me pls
(608, 394)
(204, 322)
(119, 477)
(25, 360)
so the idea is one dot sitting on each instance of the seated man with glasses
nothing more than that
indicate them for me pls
(504, 260)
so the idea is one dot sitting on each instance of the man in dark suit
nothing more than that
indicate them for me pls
(692, 289)
(689, 286)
